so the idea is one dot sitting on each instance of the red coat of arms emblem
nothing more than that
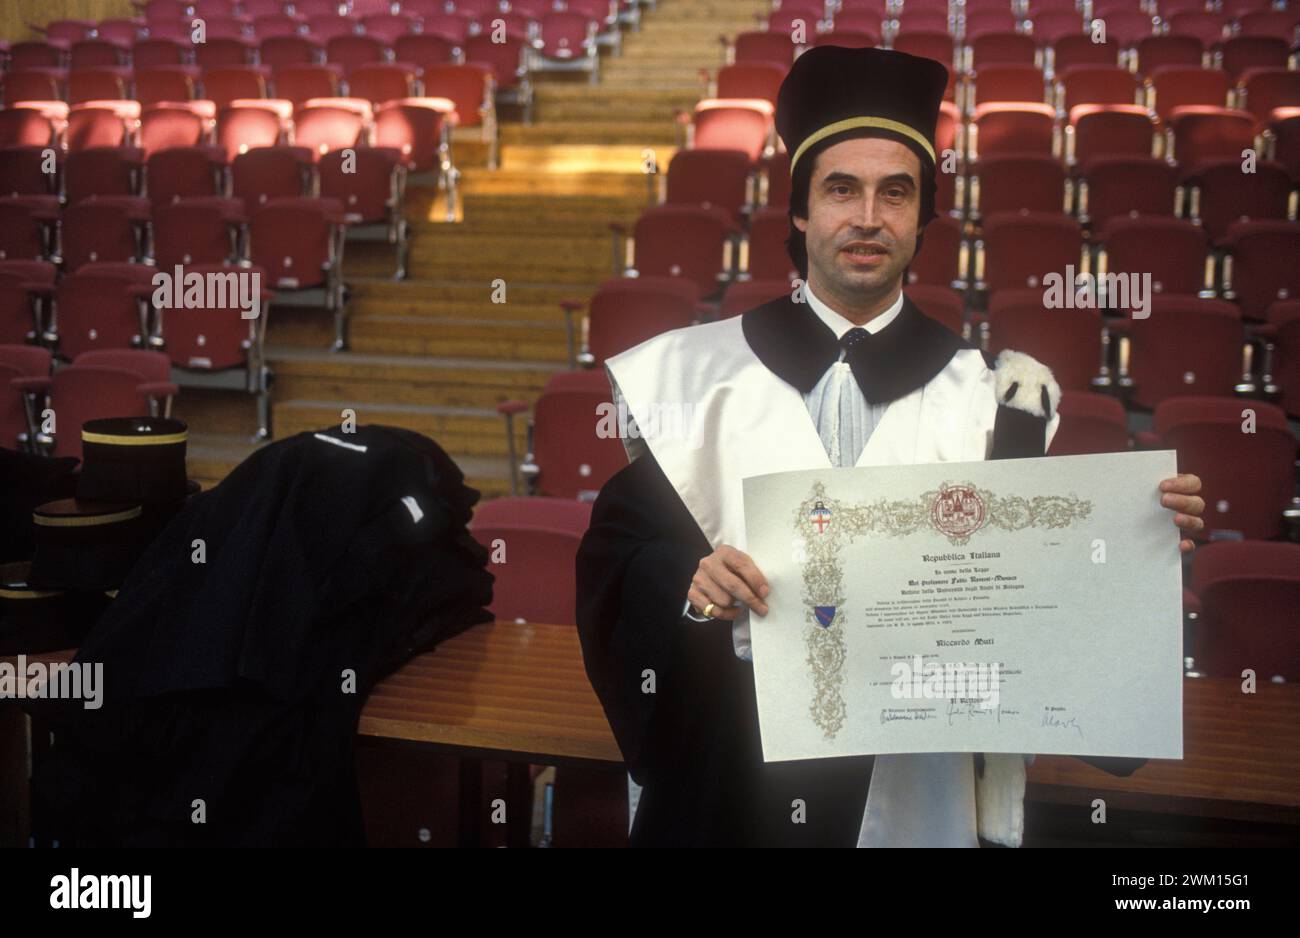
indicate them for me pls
(958, 511)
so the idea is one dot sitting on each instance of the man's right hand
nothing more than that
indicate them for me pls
(724, 577)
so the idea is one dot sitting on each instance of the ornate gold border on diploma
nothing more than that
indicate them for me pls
(825, 525)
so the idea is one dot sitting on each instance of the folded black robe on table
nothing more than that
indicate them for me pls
(226, 687)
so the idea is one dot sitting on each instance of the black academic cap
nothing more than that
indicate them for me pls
(831, 90)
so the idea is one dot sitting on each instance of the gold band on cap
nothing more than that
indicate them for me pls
(86, 521)
(11, 593)
(119, 439)
(850, 123)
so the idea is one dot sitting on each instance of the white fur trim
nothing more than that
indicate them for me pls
(1000, 797)
(1030, 376)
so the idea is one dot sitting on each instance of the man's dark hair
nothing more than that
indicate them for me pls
(796, 244)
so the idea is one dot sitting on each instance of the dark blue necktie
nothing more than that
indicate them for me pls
(853, 338)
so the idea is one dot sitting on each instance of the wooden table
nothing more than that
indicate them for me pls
(519, 693)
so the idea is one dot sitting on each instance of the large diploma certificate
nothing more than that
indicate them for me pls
(1023, 605)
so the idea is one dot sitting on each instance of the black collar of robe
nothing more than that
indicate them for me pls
(795, 345)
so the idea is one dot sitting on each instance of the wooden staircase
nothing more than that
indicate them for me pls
(478, 319)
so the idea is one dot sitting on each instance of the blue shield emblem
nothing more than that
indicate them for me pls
(825, 615)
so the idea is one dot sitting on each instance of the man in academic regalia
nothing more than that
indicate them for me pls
(845, 371)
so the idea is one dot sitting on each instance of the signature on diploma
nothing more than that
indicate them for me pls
(1057, 717)
(971, 709)
(890, 714)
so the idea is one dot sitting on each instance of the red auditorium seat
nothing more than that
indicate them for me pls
(941, 260)
(1096, 84)
(849, 39)
(220, 52)
(1123, 186)
(371, 193)
(1247, 478)
(1172, 86)
(1209, 28)
(566, 458)
(425, 49)
(1261, 90)
(21, 304)
(31, 85)
(1223, 194)
(385, 81)
(768, 257)
(1197, 135)
(942, 304)
(1090, 423)
(96, 53)
(246, 124)
(1010, 127)
(1066, 340)
(451, 27)
(227, 83)
(1249, 592)
(275, 25)
(745, 295)
(263, 174)
(1077, 49)
(1246, 52)
(1010, 183)
(1173, 251)
(1051, 26)
(108, 383)
(710, 177)
(1282, 351)
(103, 306)
(352, 50)
(27, 226)
(1169, 49)
(18, 362)
(1096, 131)
(417, 127)
(1007, 83)
(733, 124)
(325, 124)
(299, 243)
(165, 83)
(184, 172)
(1125, 26)
(172, 125)
(23, 170)
(301, 83)
(102, 229)
(156, 51)
(1257, 279)
(750, 80)
(683, 241)
(625, 312)
(541, 536)
(1020, 248)
(1187, 346)
(279, 51)
(194, 231)
(763, 47)
(102, 124)
(28, 127)
(387, 27)
(101, 170)
(1282, 137)
(1001, 48)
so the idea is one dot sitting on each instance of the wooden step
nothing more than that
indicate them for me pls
(607, 132)
(461, 338)
(396, 379)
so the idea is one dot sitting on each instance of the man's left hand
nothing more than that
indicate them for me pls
(1180, 496)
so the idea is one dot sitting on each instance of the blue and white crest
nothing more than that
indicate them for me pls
(820, 518)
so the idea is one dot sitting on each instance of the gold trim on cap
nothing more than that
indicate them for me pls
(118, 439)
(27, 594)
(849, 123)
(86, 521)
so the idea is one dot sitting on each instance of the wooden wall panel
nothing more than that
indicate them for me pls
(15, 15)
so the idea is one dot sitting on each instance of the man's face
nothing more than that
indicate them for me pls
(863, 202)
